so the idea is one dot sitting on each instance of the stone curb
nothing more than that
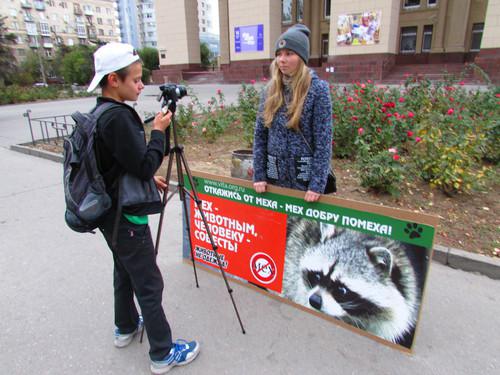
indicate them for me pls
(454, 258)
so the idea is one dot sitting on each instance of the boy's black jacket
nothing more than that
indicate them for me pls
(121, 145)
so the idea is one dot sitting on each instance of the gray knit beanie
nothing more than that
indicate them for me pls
(296, 38)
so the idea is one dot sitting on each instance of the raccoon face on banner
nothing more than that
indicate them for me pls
(370, 282)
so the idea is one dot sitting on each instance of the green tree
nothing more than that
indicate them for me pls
(149, 57)
(77, 65)
(205, 55)
(7, 59)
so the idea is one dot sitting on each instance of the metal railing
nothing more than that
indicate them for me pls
(50, 129)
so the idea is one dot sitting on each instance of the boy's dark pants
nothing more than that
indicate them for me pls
(136, 271)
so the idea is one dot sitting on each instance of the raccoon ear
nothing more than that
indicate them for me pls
(327, 231)
(381, 258)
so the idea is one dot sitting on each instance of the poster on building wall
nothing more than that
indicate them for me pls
(360, 265)
(249, 38)
(359, 29)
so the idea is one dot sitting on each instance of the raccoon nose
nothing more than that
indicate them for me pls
(315, 301)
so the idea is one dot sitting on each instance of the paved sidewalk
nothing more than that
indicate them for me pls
(57, 310)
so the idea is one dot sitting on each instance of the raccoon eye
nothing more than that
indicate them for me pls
(313, 278)
(343, 290)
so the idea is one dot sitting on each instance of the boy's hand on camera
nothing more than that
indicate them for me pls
(162, 121)
(311, 196)
(160, 182)
(260, 187)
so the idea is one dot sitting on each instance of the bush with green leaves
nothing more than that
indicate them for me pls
(248, 105)
(215, 118)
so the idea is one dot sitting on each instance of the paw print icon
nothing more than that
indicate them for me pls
(413, 230)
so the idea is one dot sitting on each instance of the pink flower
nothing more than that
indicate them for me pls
(361, 131)
(379, 130)
(393, 150)
(204, 130)
(411, 114)
(389, 115)
(350, 99)
(450, 111)
(417, 139)
(409, 133)
(363, 86)
(219, 91)
(369, 81)
(264, 79)
(497, 95)
(401, 100)
(194, 124)
(461, 83)
(395, 157)
(252, 81)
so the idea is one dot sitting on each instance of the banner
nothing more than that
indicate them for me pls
(358, 29)
(249, 38)
(355, 263)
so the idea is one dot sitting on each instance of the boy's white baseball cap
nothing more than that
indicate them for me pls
(110, 58)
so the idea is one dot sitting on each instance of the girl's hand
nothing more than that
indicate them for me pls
(311, 196)
(260, 187)
(160, 182)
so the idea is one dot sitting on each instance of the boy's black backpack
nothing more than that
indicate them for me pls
(85, 192)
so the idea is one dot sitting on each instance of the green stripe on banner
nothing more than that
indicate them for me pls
(366, 222)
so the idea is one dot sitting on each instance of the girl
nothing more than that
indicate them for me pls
(293, 131)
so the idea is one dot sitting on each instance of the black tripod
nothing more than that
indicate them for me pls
(170, 95)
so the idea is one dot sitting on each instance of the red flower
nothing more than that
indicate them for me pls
(411, 114)
(350, 99)
(401, 100)
(395, 157)
(361, 131)
(384, 109)
(389, 115)
(379, 130)
(219, 91)
(409, 133)
(461, 83)
(355, 118)
(451, 99)
(450, 111)
(497, 95)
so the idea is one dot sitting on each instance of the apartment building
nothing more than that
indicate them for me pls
(362, 39)
(46, 25)
(208, 22)
(147, 23)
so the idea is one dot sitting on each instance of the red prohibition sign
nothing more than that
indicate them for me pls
(263, 268)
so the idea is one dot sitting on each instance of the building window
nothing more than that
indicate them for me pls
(110, 32)
(15, 25)
(408, 40)
(98, 9)
(286, 11)
(203, 29)
(427, 39)
(31, 28)
(328, 6)
(300, 10)
(44, 28)
(99, 21)
(431, 3)
(324, 45)
(477, 35)
(63, 5)
(101, 32)
(411, 3)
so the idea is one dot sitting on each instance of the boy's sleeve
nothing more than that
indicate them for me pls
(125, 139)
(260, 144)
(322, 138)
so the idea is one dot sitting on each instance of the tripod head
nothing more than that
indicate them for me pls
(170, 94)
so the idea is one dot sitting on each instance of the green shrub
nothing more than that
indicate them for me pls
(248, 105)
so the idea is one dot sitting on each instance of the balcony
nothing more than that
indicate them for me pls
(77, 11)
(33, 43)
(26, 4)
(48, 45)
(39, 5)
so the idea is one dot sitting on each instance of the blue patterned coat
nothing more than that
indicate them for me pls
(282, 158)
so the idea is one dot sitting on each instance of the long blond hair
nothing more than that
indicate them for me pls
(301, 81)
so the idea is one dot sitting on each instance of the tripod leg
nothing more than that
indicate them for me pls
(182, 195)
(214, 246)
(165, 193)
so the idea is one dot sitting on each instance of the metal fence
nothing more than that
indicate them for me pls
(50, 129)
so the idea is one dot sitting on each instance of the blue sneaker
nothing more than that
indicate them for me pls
(124, 339)
(181, 354)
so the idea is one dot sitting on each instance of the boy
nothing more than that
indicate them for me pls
(121, 147)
